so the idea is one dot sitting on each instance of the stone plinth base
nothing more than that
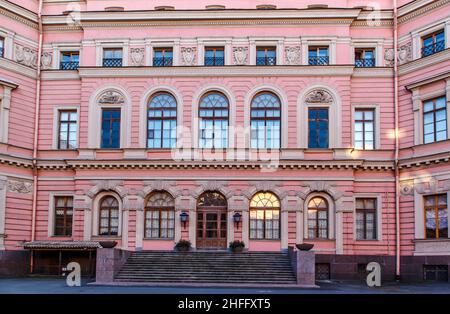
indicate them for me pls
(109, 262)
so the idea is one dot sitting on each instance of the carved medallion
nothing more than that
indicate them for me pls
(46, 60)
(292, 55)
(240, 55)
(188, 55)
(137, 56)
(319, 96)
(111, 97)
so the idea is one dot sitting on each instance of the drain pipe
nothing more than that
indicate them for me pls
(36, 132)
(396, 157)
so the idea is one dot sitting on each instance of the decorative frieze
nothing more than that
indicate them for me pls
(293, 55)
(240, 55)
(137, 56)
(25, 56)
(432, 186)
(20, 187)
(404, 54)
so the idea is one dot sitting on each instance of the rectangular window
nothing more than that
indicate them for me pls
(433, 43)
(2, 47)
(67, 129)
(435, 120)
(364, 58)
(110, 128)
(436, 216)
(112, 57)
(63, 215)
(160, 224)
(318, 127)
(162, 57)
(364, 129)
(214, 56)
(318, 55)
(265, 224)
(366, 218)
(435, 273)
(69, 60)
(266, 56)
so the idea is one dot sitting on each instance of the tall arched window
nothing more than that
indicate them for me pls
(109, 216)
(160, 216)
(318, 218)
(264, 216)
(213, 115)
(265, 115)
(162, 121)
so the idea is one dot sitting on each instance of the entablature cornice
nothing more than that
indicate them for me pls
(425, 62)
(18, 13)
(418, 8)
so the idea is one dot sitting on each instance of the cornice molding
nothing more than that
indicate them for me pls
(425, 62)
(19, 14)
(17, 68)
(426, 81)
(418, 9)
(60, 75)
(202, 71)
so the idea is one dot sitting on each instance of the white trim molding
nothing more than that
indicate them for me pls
(334, 118)
(6, 88)
(94, 118)
(379, 215)
(56, 123)
(51, 212)
(377, 123)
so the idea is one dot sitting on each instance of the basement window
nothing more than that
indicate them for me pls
(323, 271)
(435, 273)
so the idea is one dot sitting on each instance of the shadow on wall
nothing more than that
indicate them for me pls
(14, 263)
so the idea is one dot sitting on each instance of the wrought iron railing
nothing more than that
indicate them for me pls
(322, 60)
(1, 52)
(266, 61)
(214, 61)
(112, 63)
(69, 65)
(365, 63)
(162, 62)
(432, 49)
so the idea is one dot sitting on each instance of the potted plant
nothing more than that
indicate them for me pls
(183, 246)
(304, 246)
(237, 246)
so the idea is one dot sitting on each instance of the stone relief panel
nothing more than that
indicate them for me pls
(137, 56)
(318, 96)
(407, 188)
(240, 55)
(293, 55)
(107, 185)
(404, 54)
(433, 186)
(189, 55)
(111, 97)
(20, 187)
(25, 56)
(46, 60)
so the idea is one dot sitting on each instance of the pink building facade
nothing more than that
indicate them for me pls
(270, 124)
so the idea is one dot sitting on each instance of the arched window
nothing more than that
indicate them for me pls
(109, 216)
(160, 216)
(162, 121)
(265, 115)
(213, 114)
(264, 216)
(318, 218)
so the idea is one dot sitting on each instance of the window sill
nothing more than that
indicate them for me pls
(159, 239)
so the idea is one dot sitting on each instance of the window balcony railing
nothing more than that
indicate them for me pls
(323, 60)
(162, 62)
(365, 63)
(211, 61)
(112, 63)
(1, 52)
(69, 65)
(266, 61)
(434, 48)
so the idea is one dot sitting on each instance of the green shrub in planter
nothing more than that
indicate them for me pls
(183, 245)
(237, 246)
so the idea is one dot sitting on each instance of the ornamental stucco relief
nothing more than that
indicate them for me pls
(25, 56)
(107, 185)
(318, 96)
(20, 187)
(293, 55)
(404, 54)
(111, 97)
(240, 55)
(432, 186)
(189, 55)
(46, 60)
(137, 56)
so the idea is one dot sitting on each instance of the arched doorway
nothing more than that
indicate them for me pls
(211, 221)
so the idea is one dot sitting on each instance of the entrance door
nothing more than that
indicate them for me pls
(211, 221)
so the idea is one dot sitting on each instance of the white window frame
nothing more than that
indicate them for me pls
(8, 44)
(56, 122)
(59, 48)
(203, 43)
(377, 123)
(96, 215)
(424, 31)
(263, 42)
(331, 216)
(5, 104)
(106, 44)
(379, 215)
(377, 46)
(52, 216)
(318, 41)
(173, 43)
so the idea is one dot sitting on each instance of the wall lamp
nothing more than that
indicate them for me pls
(237, 217)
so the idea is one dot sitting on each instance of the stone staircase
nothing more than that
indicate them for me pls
(214, 267)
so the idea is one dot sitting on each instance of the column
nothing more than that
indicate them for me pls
(125, 225)
(245, 227)
(3, 188)
(339, 233)
(252, 52)
(299, 226)
(230, 226)
(284, 229)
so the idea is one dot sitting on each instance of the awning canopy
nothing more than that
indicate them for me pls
(57, 245)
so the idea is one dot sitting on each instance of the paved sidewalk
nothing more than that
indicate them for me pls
(58, 286)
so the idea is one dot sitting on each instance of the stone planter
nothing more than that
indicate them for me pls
(182, 249)
(237, 250)
(108, 244)
(305, 246)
